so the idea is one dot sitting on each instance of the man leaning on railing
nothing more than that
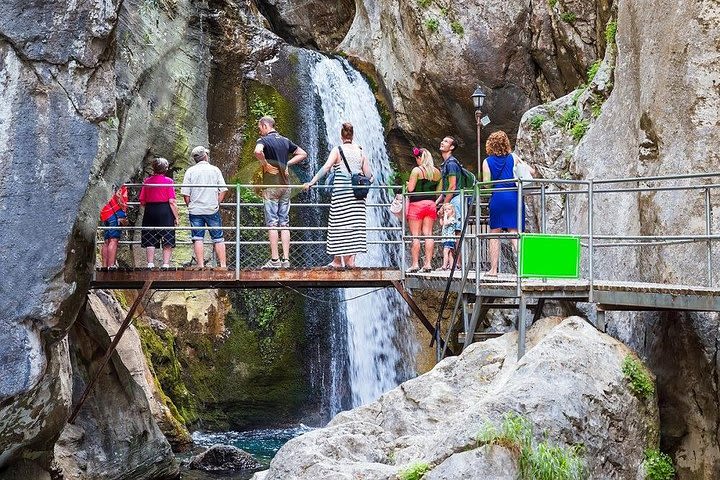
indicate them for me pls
(204, 204)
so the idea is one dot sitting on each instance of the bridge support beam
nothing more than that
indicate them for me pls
(522, 314)
(419, 313)
(111, 349)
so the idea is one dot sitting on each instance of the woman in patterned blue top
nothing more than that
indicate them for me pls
(503, 204)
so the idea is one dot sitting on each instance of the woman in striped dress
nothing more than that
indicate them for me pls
(347, 234)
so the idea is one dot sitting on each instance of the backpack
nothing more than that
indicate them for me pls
(467, 180)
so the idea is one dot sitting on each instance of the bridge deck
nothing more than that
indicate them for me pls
(609, 295)
(181, 279)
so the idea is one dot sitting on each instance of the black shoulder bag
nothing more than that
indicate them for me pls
(360, 183)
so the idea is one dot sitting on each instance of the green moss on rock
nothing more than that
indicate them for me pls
(252, 374)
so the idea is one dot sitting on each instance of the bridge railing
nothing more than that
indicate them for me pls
(246, 234)
(670, 219)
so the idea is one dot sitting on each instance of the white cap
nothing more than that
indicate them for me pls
(198, 152)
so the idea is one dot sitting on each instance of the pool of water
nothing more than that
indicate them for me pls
(261, 444)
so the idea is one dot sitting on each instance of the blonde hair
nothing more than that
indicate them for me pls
(498, 143)
(449, 207)
(426, 160)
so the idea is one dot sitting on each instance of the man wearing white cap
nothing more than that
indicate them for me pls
(203, 201)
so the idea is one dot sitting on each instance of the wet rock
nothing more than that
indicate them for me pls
(224, 458)
(569, 384)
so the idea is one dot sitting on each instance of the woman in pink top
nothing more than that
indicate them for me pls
(160, 211)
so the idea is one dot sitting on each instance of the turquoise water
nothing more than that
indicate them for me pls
(261, 444)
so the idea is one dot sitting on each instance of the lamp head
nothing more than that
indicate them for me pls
(478, 98)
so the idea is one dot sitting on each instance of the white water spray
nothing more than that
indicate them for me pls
(379, 358)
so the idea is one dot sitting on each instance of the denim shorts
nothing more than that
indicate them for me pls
(456, 202)
(114, 221)
(277, 207)
(211, 220)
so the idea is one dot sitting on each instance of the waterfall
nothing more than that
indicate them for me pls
(379, 352)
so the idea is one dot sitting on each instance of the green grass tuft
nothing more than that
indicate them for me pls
(592, 71)
(416, 471)
(610, 32)
(568, 118)
(432, 25)
(537, 460)
(536, 122)
(424, 3)
(579, 129)
(639, 380)
(568, 17)
(457, 27)
(552, 3)
(658, 466)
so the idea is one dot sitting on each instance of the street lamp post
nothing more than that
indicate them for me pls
(478, 99)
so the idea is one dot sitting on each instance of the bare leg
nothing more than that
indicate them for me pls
(446, 257)
(494, 252)
(415, 228)
(514, 240)
(104, 253)
(112, 247)
(349, 261)
(167, 252)
(199, 253)
(285, 238)
(150, 253)
(273, 236)
(220, 254)
(427, 230)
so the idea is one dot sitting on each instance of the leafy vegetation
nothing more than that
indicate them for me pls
(578, 129)
(552, 3)
(457, 27)
(610, 32)
(537, 460)
(260, 108)
(432, 25)
(592, 71)
(537, 121)
(658, 466)
(424, 3)
(416, 471)
(568, 118)
(444, 11)
(568, 17)
(639, 380)
(596, 106)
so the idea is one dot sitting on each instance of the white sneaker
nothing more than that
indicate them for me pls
(151, 265)
(272, 264)
(165, 265)
(285, 263)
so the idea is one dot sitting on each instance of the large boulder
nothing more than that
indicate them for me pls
(569, 385)
(224, 458)
(116, 434)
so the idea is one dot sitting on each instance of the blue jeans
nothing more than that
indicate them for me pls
(456, 202)
(211, 220)
(276, 203)
(114, 221)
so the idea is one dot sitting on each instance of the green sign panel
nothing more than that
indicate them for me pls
(549, 256)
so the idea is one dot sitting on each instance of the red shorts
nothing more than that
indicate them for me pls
(421, 210)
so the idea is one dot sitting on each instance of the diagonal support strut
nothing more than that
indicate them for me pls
(110, 350)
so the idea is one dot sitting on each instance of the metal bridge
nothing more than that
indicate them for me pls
(567, 207)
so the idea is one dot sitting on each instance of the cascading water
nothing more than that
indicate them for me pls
(379, 355)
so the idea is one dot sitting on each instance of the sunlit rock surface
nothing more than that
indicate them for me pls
(569, 384)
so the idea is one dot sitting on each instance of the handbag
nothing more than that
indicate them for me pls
(360, 183)
(521, 170)
(396, 207)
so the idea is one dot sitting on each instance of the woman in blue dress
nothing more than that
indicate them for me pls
(503, 204)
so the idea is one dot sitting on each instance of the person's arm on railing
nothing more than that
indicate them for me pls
(412, 181)
(485, 187)
(332, 158)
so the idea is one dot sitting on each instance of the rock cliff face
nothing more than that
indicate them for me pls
(435, 419)
(661, 119)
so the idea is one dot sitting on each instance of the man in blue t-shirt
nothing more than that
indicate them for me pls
(451, 179)
(272, 151)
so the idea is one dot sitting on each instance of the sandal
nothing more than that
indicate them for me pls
(425, 270)
(412, 270)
